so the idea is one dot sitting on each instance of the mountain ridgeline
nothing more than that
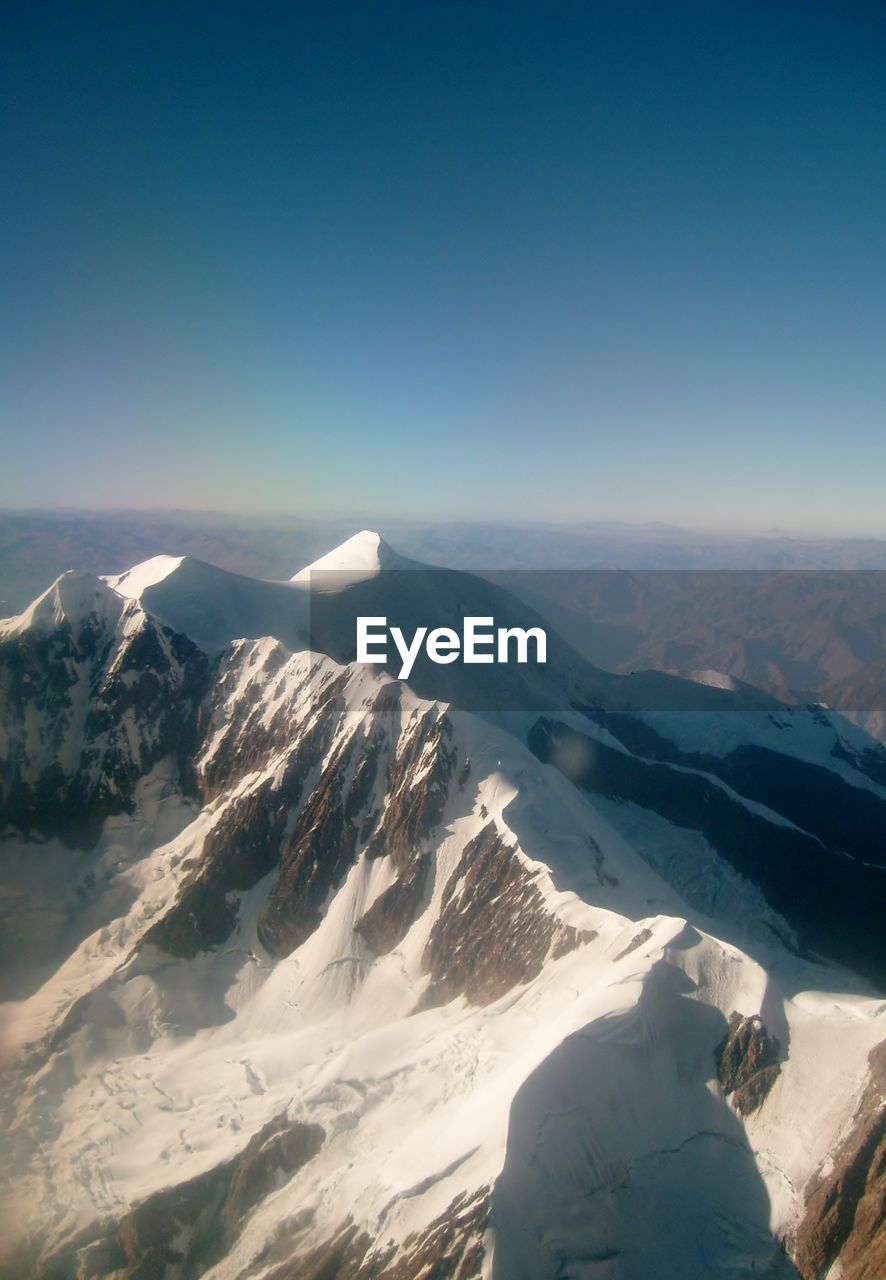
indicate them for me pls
(507, 970)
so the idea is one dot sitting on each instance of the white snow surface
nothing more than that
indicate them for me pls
(214, 607)
(147, 574)
(362, 556)
(177, 1062)
(593, 1084)
(75, 598)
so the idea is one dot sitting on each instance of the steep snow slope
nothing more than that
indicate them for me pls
(214, 607)
(359, 986)
(147, 574)
(361, 557)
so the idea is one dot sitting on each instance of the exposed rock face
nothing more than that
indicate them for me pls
(419, 777)
(637, 941)
(88, 707)
(418, 781)
(390, 917)
(450, 1248)
(314, 861)
(178, 1233)
(250, 714)
(241, 848)
(747, 1063)
(271, 824)
(247, 841)
(337, 816)
(493, 931)
(569, 939)
(845, 1214)
(290, 802)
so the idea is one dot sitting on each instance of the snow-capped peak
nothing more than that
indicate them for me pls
(361, 556)
(72, 598)
(134, 581)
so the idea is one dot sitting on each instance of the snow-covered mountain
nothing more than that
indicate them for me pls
(311, 972)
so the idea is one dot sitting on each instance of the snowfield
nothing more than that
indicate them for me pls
(502, 998)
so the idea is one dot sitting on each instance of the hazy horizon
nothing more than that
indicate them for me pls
(651, 525)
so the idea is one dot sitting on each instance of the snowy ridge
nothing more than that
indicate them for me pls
(74, 599)
(356, 559)
(368, 975)
(147, 574)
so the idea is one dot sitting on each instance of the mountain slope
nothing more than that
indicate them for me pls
(351, 982)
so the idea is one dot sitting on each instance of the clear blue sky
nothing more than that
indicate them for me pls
(550, 260)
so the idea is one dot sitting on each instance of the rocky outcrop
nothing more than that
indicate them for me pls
(452, 1247)
(391, 916)
(181, 1231)
(240, 736)
(494, 931)
(845, 1213)
(308, 819)
(747, 1063)
(322, 846)
(314, 861)
(240, 849)
(419, 777)
(263, 828)
(637, 941)
(569, 939)
(418, 784)
(87, 710)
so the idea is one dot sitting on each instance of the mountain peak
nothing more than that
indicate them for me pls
(134, 581)
(72, 598)
(361, 556)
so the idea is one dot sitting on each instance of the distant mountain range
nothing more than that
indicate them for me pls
(35, 547)
(515, 973)
(802, 635)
